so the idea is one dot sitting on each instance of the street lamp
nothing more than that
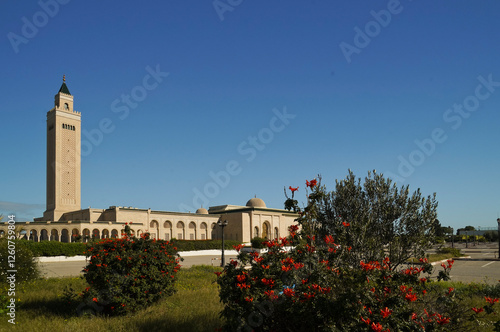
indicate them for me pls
(222, 224)
(498, 221)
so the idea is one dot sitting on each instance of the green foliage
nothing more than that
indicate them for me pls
(128, 274)
(54, 248)
(24, 263)
(258, 242)
(384, 220)
(322, 285)
(452, 252)
(491, 236)
(189, 245)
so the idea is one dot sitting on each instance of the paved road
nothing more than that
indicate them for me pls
(73, 269)
(482, 266)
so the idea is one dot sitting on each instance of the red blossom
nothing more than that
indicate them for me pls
(293, 189)
(376, 327)
(249, 299)
(346, 224)
(385, 312)
(477, 310)
(241, 277)
(238, 247)
(311, 184)
(490, 300)
(289, 292)
(442, 320)
(366, 321)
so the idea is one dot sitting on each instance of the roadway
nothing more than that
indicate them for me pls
(481, 266)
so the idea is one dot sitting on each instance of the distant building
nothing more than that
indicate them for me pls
(65, 221)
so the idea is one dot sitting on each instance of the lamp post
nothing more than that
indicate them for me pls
(222, 224)
(498, 221)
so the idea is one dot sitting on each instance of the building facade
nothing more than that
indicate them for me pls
(65, 221)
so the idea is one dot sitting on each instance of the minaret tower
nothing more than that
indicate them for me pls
(63, 156)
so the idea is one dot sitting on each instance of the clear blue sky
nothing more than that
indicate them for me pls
(358, 85)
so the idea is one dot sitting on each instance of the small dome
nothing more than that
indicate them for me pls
(202, 211)
(256, 202)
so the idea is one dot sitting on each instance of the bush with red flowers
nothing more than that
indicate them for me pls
(127, 274)
(317, 287)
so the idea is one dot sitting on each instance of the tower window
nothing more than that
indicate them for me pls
(66, 106)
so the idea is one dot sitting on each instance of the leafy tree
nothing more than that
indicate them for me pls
(384, 220)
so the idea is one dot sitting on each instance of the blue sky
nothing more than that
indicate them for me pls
(214, 102)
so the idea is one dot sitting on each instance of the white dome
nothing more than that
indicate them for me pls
(256, 202)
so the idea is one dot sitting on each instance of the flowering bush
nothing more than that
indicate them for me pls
(317, 287)
(129, 273)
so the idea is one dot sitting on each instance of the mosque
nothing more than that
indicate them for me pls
(64, 220)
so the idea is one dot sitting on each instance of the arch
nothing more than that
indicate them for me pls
(167, 225)
(65, 236)
(154, 229)
(105, 234)
(54, 235)
(33, 235)
(114, 234)
(2, 233)
(44, 235)
(75, 235)
(204, 231)
(256, 231)
(86, 235)
(181, 232)
(215, 236)
(192, 230)
(276, 233)
(266, 230)
(95, 234)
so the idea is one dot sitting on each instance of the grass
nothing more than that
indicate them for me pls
(194, 307)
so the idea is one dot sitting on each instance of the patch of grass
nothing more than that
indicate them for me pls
(194, 307)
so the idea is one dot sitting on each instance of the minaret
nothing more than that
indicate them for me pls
(63, 156)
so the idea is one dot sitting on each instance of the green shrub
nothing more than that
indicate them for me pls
(24, 263)
(190, 245)
(54, 248)
(451, 251)
(14, 256)
(258, 242)
(128, 274)
(323, 285)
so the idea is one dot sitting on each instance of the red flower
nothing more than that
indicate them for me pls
(241, 277)
(293, 189)
(249, 299)
(289, 292)
(385, 312)
(94, 299)
(346, 224)
(238, 247)
(442, 320)
(376, 327)
(366, 321)
(411, 297)
(477, 310)
(311, 184)
(490, 300)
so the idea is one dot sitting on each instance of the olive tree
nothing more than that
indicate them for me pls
(375, 218)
